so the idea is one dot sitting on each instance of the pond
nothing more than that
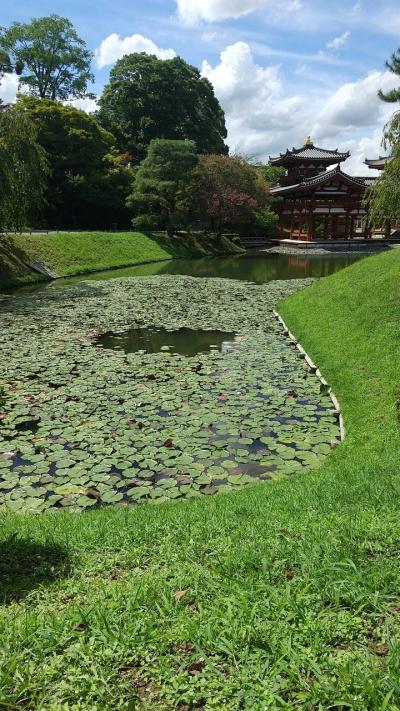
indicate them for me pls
(260, 269)
(83, 425)
(185, 341)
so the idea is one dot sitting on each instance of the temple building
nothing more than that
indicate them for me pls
(318, 201)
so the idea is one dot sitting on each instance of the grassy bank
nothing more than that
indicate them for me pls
(81, 252)
(284, 596)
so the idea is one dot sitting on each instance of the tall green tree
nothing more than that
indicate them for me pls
(393, 64)
(89, 179)
(149, 98)
(54, 60)
(164, 184)
(23, 169)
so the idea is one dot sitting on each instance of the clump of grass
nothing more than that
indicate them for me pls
(283, 596)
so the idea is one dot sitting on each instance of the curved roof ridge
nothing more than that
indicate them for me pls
(311, 152)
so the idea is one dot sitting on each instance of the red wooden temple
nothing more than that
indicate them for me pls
(318, 202)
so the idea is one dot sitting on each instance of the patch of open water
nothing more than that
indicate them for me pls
(184, 341)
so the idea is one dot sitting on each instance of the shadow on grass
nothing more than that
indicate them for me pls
(26, 565)
(13, 262)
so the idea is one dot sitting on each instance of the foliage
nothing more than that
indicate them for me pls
(383, 197)
(277, 596)
(393, 64)
(231, 192)
(150, 98)
(164, 184)
(23, 169)
(89, 179)
(271, 173)
(55, 60)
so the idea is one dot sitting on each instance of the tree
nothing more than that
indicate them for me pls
(23, 169)
(271, 173)
(232, 193)
(151, 98)
(383, 197)
(164, 184)
(393, 64)
(89, 180)
(54, 60)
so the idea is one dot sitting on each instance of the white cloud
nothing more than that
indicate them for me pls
(192, 11)
(338, 42)
(367, 147)
(355, 105)
(114, 47)
(263, 117)
(87, 105)
(8, 88)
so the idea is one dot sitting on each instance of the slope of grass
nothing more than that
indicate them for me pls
(69, 253)
(13, 268)
(285, 596)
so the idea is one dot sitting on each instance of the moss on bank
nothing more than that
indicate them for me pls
(69, 253)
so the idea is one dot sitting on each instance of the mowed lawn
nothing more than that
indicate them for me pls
(281, 596)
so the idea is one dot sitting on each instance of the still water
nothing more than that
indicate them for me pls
(185, 341)
(259, 269)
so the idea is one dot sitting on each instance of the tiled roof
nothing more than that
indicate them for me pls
(378, 163)
(311, 152)
(320, 179)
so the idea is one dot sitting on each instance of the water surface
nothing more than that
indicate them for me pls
(259, 269)
(185, 341)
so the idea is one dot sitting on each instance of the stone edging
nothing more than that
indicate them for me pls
(314, 369)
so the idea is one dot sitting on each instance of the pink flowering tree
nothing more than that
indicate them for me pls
(230, 191)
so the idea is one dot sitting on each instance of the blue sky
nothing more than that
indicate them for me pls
(281, 69)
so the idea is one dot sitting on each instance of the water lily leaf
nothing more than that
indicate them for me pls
(111, 497)
(67, 489)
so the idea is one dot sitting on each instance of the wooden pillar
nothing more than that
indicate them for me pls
(333, 226)
(351, 226)
(326, 227)
(346, 227)
(310, 230)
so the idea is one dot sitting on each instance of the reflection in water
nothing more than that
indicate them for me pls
(185, 341)
(259, 269)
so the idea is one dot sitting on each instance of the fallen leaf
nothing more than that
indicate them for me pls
(82, 627)
(180, 594)
(382, 650)
(94, 493)
(168, 443)
(195, 667)
(186, 647)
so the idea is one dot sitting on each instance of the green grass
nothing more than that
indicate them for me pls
(69, 253)
(292, 589)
